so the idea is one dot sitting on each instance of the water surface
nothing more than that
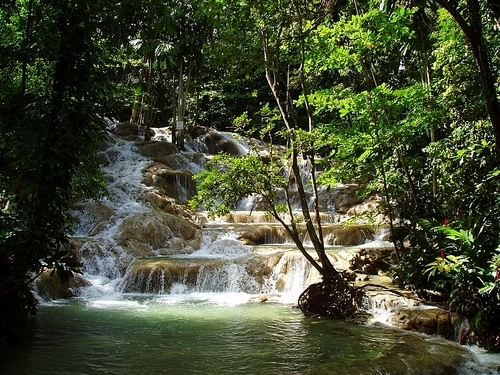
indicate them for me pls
(207, 335)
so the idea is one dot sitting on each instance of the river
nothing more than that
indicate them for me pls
(137, 316)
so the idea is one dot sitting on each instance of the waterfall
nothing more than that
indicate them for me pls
(143, 257)
(115, 261)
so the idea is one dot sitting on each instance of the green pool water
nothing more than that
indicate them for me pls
(169, 335)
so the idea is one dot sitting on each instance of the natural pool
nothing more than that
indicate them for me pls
(216, 334)
(196, 318)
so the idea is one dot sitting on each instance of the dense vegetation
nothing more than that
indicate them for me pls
(397, 95)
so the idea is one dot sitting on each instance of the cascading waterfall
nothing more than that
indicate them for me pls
(167, 297)
(221, 264)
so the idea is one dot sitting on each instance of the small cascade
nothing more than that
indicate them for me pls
(129, 246)
(221, 265)
(292, 273)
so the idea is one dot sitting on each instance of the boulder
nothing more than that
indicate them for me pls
(260, 235)
(95, 218)
(49, 286)
(429, 320)
(126, 130)
(216, 143)
(344, 197)
(373, 203)
(262, 266)
(170, 205)
(158, 233)
(177, 184)
(347, 236)
(156, 149)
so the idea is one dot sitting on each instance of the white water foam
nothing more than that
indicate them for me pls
(221, 245)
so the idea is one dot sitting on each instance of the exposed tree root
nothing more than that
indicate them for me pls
(336, 298)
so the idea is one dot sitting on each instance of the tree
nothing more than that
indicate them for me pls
(55, 82)
(284, 28)
(471, 21)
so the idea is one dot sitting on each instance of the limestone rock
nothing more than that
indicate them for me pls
(216, 144)
(432, 321)
(263, 235)
(49, 286)
(345, 197)
(97, 217)
(347, 236)
(177, 184)
(371, 204)
(155, 149)
(182, 161)
(262, 267)
(170, 205)
(158, 233)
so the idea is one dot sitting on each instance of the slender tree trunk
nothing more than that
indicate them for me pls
(136, 109)
(181, 107)
(174, 110)
(326, 269)
(474, 33)
(398, 246)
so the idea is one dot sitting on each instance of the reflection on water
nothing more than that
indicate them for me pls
(140, 335)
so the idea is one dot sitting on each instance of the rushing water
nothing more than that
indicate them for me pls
(206, 328)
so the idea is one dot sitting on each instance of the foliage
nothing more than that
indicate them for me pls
(459, 270)
(228, 179)
(56, 86)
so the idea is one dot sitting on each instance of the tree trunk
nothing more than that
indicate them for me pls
(326, 269)
(136, 108)
(474, 33)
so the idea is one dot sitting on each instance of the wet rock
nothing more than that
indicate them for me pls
(261, 267)
(197, 131)
(155, 149)
(177, 184)
(49, 286)
(158, 233)
(347, 236)
(182, 161)
(344, 197)
(170, 205)
(432, 321)
(409, 354)
(126, 130)
(263, 235)
(144, 130)
(160, 275)
(371, 204)
(372, 261)
(97, 217)
(216, 143)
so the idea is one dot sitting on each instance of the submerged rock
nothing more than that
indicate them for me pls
(410, 354)
(155, 149)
